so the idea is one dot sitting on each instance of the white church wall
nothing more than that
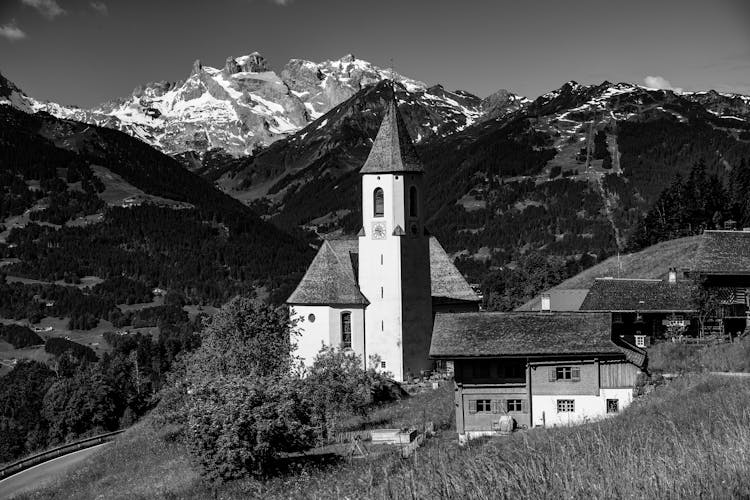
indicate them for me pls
(325, 329)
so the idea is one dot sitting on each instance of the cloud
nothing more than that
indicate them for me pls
(659, 82)
(48, 8)
(282, 3)
(100, 7)
(12, 32)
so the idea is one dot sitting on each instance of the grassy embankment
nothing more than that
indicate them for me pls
(678, 358)
(690, 438)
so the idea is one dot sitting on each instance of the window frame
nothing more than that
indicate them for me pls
(616, 405)
(640, 340)
(566, 405)
(484, 405)
(565, 373)
(514, 405)
(346, 333)
(378, 201)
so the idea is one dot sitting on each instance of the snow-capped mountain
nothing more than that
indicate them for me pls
(244, 105)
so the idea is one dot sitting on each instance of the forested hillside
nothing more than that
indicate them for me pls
(101, 233)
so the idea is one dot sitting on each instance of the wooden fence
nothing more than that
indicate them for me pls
(31, 461)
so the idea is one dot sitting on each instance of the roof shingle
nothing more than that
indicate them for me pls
(493, 334)
(615, 294)
(330, 279)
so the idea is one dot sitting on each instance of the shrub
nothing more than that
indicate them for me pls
(241, 424)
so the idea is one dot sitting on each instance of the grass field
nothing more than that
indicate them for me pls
(688, 439)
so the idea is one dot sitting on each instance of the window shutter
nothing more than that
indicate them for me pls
(524, 406)
(576, 374)
(552, 374)
(472, 406)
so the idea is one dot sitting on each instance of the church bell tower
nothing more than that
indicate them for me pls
(394, 252)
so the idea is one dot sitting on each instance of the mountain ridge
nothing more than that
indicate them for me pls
(244, 106)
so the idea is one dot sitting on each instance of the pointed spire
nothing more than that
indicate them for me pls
(393, 150)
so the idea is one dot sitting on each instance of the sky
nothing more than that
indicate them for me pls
(85, 52)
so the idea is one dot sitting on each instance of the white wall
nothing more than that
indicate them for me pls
(544, 408)
(380, 268)
(326, 329)
(394, 276)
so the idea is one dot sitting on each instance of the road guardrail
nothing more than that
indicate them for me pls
(31, 461)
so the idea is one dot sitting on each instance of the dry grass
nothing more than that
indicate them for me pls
(670, 358)
(689, 439)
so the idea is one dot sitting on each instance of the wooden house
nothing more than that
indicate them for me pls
(644, 309)
(540, 369)
(723, 262)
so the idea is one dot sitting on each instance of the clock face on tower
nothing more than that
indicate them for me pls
(378, 231)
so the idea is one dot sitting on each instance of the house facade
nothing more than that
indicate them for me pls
(377, 294)
(538, 369)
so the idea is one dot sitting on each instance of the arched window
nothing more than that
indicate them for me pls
(378, 203)
(346, 330)
(413, 201)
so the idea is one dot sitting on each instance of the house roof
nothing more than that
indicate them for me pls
(393, 150)
(560, 300)
(332, 276)
(617, 294)
(494, 334)
(723, 252)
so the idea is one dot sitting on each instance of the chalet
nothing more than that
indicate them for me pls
(643, 309)
(723, 262)
(535, 369)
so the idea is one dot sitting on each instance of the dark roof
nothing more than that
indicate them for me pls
(616, 294)
(447, 283)
(393, 150)
(493, 334)
(332, 276)
(561, 299)
(723, 252)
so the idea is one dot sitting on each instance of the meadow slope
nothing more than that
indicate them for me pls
(687, 439)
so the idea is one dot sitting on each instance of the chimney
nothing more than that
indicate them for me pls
(672, 275)
(546, 306)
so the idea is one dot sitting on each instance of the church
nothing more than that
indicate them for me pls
(377, 294)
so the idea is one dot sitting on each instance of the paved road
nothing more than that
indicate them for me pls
(44, 473)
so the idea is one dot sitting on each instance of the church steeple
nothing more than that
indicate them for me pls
(393, 150)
